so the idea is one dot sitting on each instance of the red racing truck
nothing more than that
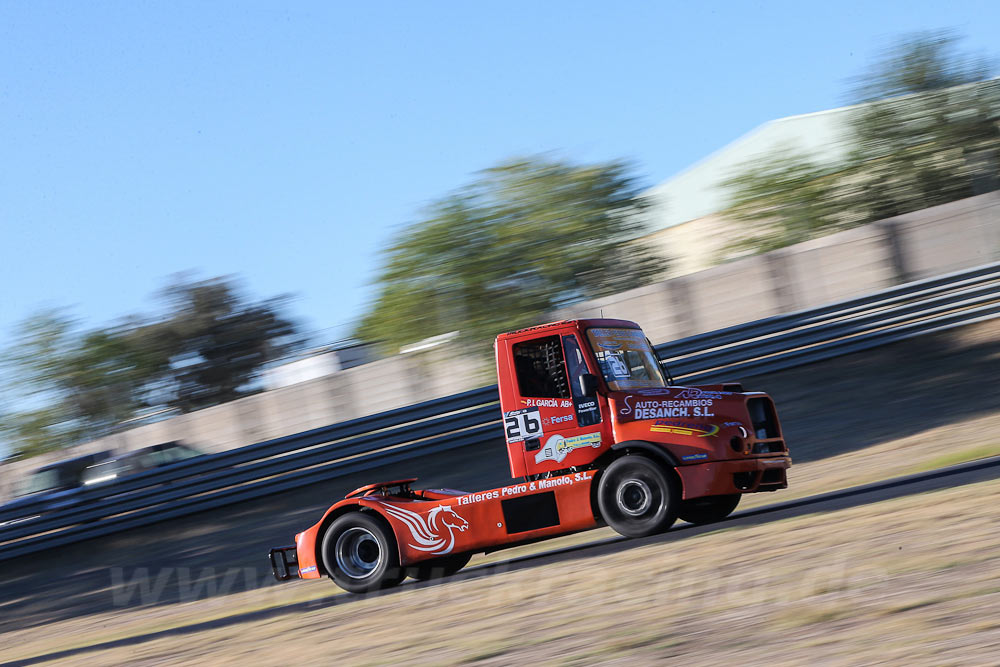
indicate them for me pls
(597, 435)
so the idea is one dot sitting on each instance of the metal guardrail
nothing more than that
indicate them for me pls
(806, 336)
(282, 464)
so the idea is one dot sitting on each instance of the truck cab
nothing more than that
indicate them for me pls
(576, 394)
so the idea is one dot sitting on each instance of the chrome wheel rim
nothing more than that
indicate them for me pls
(634, 497)
(358, 552)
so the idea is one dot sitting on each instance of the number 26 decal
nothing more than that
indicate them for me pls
(522, 424)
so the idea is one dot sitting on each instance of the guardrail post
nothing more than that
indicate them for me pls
(682, 309)
(6, 481)
(894, 248)
(782, 285)
(989, 216)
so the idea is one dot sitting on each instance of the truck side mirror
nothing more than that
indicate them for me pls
(588, 384)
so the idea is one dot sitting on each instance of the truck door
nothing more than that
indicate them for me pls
(557, 429)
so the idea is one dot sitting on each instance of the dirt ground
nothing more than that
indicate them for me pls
(906, 581)
(895, 410)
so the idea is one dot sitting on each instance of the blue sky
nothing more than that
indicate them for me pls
(286, 142)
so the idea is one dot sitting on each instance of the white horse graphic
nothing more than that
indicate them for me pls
(427, 532)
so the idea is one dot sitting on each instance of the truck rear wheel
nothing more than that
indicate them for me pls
(637, 497)
(708, 509)
(360, 554)
(443, 566)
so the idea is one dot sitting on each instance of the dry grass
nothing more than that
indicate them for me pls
(935, 448)
(904, 581)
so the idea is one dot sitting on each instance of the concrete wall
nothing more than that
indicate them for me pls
(852, 263)
(949, 237)
(838, 267)
(381, 385)
(847, 264)
(691, 246)
(368, 389)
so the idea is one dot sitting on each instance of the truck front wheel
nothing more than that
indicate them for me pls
(360, 555)
(637, 497)
(708, 509)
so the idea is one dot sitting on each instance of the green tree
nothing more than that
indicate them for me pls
(524, 238)
(207, 347)
(927, 133)
(929, 130)
(36, 431)
(31, 367)
(784, 198)
(923, 150)
(217, 341)
(81, 382)
(919, 62)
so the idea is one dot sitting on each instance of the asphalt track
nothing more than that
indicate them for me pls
(942, 478)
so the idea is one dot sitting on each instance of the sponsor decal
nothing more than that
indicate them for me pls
(694, 392)
(694, 457)
(558, 419)
(548, 402)
(307, 570)
(429, 533)
(684, 428)
(553, 482)
(518, 489)
(587, 413)
(618, 334)
(615, 367)
(479, 497)
(685, 393)
(639, 408)
(519, 425)
(558, 448)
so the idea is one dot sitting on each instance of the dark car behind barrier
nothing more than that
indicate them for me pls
(57, 486)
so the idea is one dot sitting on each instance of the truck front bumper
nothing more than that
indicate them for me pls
(717, 478)
(284, 562)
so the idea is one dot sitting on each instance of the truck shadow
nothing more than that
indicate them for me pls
(208, 554)
(841, 500)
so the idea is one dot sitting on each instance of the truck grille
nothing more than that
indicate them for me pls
(762, 416)
(769, 447)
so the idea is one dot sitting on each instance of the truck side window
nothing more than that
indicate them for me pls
(587, 412)
(574, 362)
(540, 368)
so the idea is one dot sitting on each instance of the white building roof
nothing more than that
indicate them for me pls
(694, 192)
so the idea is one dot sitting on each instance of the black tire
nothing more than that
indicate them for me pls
(637, 497)
(360, 554)
(443, 566)
(708, 509)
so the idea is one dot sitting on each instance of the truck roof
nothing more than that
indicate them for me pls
(578, 323)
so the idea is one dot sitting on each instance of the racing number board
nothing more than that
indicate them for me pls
(522, 424)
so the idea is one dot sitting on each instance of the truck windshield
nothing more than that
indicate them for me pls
(626, 359)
